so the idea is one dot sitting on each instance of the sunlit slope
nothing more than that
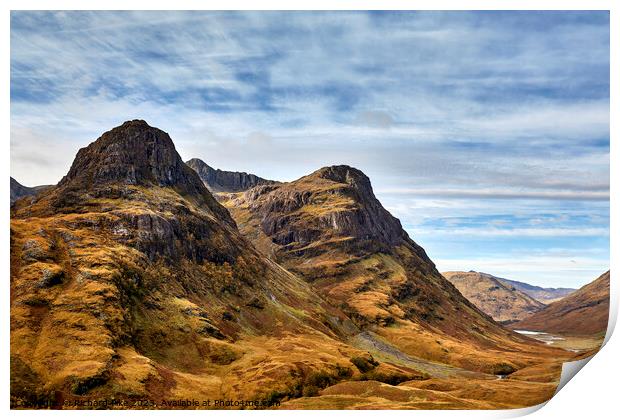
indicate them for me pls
(329, 228)
(129, 279)
(500, 301)
(584, 312)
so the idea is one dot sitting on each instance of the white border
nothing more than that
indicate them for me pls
(593, 395)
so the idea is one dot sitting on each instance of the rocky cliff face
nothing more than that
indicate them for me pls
(336, 202)
(500, 301)
(138, 164)
(217, 180)
(134, 154)
(330, 228)
(129, 268)
(358, 215)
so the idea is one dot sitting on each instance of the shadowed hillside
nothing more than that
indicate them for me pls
(217, 180)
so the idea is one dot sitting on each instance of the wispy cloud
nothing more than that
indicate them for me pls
(513, 232)
(503, 193)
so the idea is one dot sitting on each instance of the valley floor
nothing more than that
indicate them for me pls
(452, 388)
(573, 343)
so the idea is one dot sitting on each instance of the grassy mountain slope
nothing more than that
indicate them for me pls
(329, 228)
(584, 312)
(496, 299)
(129, 280)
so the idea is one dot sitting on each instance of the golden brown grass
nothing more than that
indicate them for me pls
(112, 323)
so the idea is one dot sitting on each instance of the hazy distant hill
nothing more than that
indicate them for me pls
(18, 190)
(541, 294)
(501, 301)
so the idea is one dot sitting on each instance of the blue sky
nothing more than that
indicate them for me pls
(486, 133)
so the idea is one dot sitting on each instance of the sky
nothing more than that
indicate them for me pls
(485, 133)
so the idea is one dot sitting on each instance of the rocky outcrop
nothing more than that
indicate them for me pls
(134, 154)
(217, 180)
(137, 165)
(335, 201)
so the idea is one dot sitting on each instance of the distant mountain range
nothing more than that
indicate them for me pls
(579, 313)
(494, 296)
(542, 294)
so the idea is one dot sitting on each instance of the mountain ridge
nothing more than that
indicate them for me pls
(329, 228)
(583, 312)
(140, 271)
(545, 295)
(218, 180)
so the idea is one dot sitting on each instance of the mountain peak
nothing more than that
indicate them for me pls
(198, 163)
(18, 190)
(133, 153)
(334, 203)
(356, 181)
(343, 174)
(135, 123)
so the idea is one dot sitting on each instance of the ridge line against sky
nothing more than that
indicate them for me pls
(486, 133)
